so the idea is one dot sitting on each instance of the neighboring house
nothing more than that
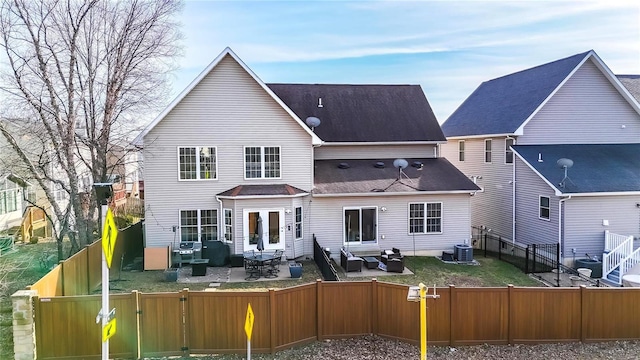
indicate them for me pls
(231, 151)
(572, 108)
(12, 204)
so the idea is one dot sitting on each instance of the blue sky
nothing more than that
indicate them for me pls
(448, 47)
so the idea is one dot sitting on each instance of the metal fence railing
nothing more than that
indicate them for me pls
(325, 265)
(532, 258)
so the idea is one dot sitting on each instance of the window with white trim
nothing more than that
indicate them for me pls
(487, 151)
(298, 222)
(8, 197)
(425, 218)
(198, 225)
(262, 162)
(197, 163)
(360, 224)
(228, 225)
(545, 208)
(461, 150)
(508, 153)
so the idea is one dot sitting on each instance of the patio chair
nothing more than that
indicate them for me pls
(252, 268)
(277, 260)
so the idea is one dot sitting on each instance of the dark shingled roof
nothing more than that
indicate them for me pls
(632, 83)
(363, 113)
(263, 190)
(501, 105)
(596, 168)
(362, 176)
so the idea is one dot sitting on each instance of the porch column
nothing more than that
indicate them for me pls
(24, 335)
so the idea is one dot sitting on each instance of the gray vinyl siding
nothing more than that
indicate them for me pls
(374, 152)
(587, 109)
(493, 206)
(530, 229)
(583, 221)
(328, 222)
(227, 110)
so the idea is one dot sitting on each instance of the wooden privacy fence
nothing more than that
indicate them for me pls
(202, 322)
(81, 274)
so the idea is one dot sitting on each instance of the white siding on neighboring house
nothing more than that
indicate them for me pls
(530, 229)
(227, 110)
(11, 204)
(374, 152)
(328, 223)
(587, 109)
(584, 217)
(493, 206)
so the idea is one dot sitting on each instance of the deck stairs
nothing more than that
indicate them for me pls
(621, 254)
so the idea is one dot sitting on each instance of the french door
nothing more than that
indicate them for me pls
(265, 224)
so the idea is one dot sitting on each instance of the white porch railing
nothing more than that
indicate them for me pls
(612, 241)
(618, 251)
(629, 262)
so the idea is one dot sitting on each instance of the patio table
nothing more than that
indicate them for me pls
(261, 259)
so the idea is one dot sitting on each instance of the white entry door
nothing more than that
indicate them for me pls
(265, 223)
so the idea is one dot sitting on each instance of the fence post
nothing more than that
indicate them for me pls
(485, 244)
(374, 306)
(452, 334)
(319, 314)
(88, 270)
(526, 261)
(511, 314)
(272, 320)
(185, 316)
(535, 255)
(24, 334)
(583, 314)
(499, 248)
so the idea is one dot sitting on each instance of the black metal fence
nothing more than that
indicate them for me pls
(325, 265)
(533, 258)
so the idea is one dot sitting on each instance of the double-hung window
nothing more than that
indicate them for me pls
(425, 218)
(198, 225)
(545, 208)
(487, 151)
(197, 163)
(228, 225)
(461, 150)
(298, 222)
(508, 153)
(262, 162)
(8, 197)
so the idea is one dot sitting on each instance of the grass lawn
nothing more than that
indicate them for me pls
(22, 268)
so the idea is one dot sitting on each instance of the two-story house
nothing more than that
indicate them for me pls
(510, 134)
(356, 165)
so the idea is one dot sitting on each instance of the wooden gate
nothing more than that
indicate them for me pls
(163, 328)
(66, 327)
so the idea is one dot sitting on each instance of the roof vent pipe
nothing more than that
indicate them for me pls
(320, 102)
(539, 157)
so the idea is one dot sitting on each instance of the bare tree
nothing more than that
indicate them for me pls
(78, 74)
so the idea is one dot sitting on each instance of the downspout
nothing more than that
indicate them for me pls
(560, 221)
(513, 201)
(221, 220)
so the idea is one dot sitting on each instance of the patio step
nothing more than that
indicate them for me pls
(614, 275)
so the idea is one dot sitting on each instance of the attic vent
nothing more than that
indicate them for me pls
(343, 165)
(379, 165)
(417, 164)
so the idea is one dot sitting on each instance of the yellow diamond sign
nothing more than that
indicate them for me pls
(109, 235)
(248, 323)
(109, 330)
